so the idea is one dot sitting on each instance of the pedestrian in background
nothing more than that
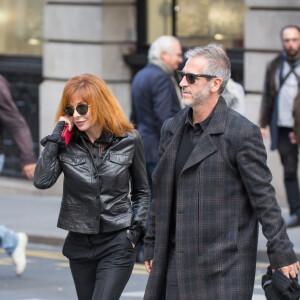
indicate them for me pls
(277, 111)
(12, 120)
(211, 187)
(156, 95)
(103, 157)
(234, 93)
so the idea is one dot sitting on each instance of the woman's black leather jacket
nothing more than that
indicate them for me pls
(97, 200)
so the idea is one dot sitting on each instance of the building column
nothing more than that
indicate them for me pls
(85, 37)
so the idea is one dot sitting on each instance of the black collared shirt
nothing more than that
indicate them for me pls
(195, 131)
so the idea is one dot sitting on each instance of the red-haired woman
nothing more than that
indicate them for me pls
(103, 160)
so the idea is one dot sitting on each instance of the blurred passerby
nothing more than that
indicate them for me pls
(156, 97)
(234, 93)
(103, 158)
(12, 120)
(277, 111)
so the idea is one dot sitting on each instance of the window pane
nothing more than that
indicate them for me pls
(21, 28)
(201, 22)
(159, 19)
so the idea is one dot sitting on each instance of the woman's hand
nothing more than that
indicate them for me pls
(68, 121)
(133, 245)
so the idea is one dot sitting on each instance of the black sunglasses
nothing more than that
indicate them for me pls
(191, 78)
(82, 109)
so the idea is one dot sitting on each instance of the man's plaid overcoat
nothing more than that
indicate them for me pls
(223, 191)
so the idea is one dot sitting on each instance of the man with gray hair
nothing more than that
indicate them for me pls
(211, 187)
(156, 95)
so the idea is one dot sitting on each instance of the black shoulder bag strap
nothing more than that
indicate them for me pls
(282, 80)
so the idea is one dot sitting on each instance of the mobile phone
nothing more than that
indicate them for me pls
(66, 134)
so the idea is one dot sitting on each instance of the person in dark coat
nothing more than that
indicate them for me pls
(280, 111)
(156, 95)
(211, 188)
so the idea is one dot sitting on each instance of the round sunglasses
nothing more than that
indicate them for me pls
(82, 109)
(191, 78)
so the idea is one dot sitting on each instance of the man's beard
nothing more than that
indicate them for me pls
(291, 53)
(200, 98)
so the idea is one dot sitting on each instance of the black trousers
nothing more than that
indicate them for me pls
(101, 264)
(289, 158)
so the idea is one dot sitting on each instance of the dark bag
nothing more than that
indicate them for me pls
(278, 287)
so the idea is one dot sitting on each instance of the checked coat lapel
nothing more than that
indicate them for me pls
(164, 173)
(206, 146)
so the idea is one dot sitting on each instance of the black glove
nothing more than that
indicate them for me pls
(278, 287)
(55, 137)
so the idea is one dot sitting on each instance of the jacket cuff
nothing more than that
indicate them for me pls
(148, 253)
(285, 260)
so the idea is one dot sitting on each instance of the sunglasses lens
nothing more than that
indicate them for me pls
(69, 111)
(190, 78)
(82, 109)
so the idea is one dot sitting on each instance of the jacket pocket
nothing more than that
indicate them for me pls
(72, 160)
(71, 206)
(120, 159)
(122, 207)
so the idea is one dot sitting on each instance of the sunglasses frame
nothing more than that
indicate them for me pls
(79, 105)
(181, 74)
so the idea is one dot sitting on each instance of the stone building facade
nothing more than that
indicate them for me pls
(83, 36)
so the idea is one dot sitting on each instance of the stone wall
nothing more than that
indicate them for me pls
(85, 37)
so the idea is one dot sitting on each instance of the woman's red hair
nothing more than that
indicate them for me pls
(105, 108)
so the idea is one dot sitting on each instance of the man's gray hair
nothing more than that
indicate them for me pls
(218, 63)
(163, 43)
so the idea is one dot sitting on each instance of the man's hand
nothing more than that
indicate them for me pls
(148, 265)
(292, 137)
(264, 133)
(291, 270)
(28, 170)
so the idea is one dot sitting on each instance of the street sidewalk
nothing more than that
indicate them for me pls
(24, 208)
